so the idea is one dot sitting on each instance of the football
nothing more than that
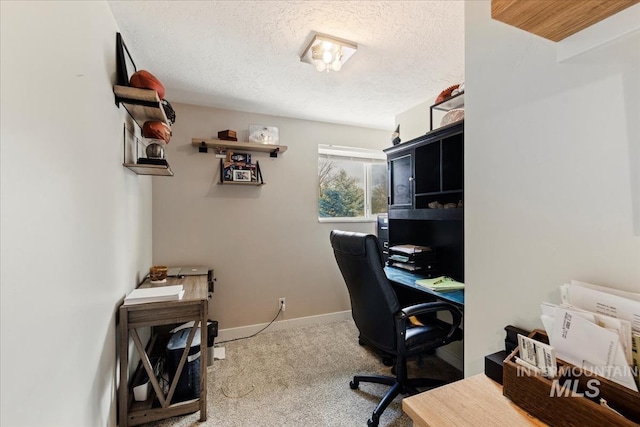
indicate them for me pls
(145, 80)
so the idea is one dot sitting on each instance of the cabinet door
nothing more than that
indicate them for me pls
(400, 182)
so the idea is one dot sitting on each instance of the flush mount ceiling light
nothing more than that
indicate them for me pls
(328, 53)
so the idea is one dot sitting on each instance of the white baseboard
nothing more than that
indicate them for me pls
(245, 331)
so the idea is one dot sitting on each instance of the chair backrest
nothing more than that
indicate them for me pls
(373, 301)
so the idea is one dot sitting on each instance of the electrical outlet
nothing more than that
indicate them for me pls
(282, 304)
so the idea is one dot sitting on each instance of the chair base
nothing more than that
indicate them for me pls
(409, 387)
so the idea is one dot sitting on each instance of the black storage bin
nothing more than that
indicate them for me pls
(189, 383)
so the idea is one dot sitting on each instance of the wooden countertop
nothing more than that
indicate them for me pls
(474, 401)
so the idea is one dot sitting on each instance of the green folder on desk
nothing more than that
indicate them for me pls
(441, 284)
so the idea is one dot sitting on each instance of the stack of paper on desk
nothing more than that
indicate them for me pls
(440, 284)
(410, 249)
(155, 294)
(594, 329)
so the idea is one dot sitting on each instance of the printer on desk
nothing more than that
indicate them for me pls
(187, 271)
(193, 271)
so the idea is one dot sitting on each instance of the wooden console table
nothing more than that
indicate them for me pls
(192, 307)
(474, 401)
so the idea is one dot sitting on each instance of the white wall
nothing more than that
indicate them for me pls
(552, 156)
(415, 121)
(76, 225)
(263, 242)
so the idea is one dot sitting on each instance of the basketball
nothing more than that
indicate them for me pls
(145, 80)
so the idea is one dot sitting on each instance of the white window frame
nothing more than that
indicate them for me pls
(353, 153)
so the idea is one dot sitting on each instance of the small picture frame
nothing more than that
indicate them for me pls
(241, 175)
(262, 134)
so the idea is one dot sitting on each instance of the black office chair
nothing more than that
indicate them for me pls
(382, 323)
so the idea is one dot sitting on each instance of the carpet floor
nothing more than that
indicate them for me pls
(300, 378)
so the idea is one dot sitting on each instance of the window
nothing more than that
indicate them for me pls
(352, 183)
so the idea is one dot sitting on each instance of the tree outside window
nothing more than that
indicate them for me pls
(352, 183)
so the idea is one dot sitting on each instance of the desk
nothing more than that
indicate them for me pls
(408, 280)
(192, 307)
(475, 401)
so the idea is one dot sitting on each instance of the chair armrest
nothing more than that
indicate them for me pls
(433, 307)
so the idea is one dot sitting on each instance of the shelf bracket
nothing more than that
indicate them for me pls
(202, 148)
(274, 153)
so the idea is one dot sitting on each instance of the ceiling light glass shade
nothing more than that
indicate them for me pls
(320, 65)
(328, 53)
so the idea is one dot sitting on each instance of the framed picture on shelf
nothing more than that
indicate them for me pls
(241, 175)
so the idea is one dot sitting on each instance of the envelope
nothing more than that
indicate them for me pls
(587, 345)
(604, 302)
(620, 326)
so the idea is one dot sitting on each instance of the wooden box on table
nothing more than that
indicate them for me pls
(575, 395)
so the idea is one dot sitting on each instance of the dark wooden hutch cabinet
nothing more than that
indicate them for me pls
(425, 172)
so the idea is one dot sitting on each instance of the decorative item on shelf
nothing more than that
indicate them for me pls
(446, 94)
(158, 273)
(228, 135)
(237, 168)
(263, 134)
(450, 205)
(458, 90)
(145, 80)
(156, 130)
(155, 151)
(242, 175)
(395, 136)
(452, 116)
(231, 172)
(240, 159)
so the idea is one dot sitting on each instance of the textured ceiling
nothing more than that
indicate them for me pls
(244, 55)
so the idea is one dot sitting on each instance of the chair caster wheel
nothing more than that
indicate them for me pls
(353, 385)
(387, 361)
(372, 423)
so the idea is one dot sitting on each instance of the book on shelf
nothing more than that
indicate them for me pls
(154, 294)
(441, 284)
